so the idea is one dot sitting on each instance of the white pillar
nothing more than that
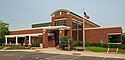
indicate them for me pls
(6, 40)
(29, 40)
(16, 40)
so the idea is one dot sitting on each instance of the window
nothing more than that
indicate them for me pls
(61, 22)
(74, 24)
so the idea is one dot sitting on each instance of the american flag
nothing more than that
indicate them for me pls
(85, 15)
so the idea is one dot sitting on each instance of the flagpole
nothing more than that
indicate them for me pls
(83, 31)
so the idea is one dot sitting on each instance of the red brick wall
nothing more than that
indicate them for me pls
(39, 39)
(70, 17)
(25, 32)
(63, 15)
(95, 35)
(51, 43)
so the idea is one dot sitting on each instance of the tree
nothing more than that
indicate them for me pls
(123, 38)
(3, 30)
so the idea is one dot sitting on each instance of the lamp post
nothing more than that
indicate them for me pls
(83, 33)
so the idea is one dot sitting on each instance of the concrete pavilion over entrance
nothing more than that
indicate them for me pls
(43, 35)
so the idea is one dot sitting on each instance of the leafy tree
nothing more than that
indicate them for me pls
(3, 30)
(123, 38)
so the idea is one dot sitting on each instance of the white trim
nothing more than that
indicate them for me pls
(60, 13)
(56, 27)
(114, 33)
(114, 43)
(23, 35)
(60, 19)
(103, 27)
(67, 13)
(46, 28)
(25, 29)
(74, 19)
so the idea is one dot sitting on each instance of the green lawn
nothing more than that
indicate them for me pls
(101, 49)
(96, 49)
(121, 51)
(1, 47)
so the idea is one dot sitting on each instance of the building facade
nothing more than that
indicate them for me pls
(65, 23)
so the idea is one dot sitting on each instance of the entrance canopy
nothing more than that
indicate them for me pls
(23, 35)
(55, 27)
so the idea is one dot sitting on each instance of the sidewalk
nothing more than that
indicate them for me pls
(77, 53)
(81, 53)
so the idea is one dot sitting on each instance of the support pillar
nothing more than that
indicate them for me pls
(45, 38)
(16, 40)
(17, 45)
(29, 45)
(5, 40)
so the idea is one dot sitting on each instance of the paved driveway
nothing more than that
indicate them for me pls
(44, 56)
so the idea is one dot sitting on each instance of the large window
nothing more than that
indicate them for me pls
(61, 22)
(114, 38)
(74, 25)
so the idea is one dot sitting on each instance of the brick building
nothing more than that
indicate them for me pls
(65, 23)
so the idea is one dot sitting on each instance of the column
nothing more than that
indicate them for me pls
(6, 40)
(83, 32)
(70, 25)
(16, 40)
(61, 32)
(29, 45)
(45, 38)
(29, 40)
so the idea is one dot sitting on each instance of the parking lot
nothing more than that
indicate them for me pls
(45, 56)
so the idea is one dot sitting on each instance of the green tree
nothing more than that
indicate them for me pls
(3, 30)
(123, 38)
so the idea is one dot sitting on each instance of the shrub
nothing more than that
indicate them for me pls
(88, 44)
(96, 45)
(35, 44)
(114, 46)
(1, 47)
(122, 46)
(65, 38)
(13, 47)
(77, 43)
(104, 45)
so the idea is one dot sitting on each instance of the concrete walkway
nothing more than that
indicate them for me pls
(78, 53)
(82, 53)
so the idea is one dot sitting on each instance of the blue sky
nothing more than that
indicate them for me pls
(24, 13)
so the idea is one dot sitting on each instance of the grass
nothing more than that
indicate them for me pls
(121, 51)
(101, 49)
(15, 47)
(96, 49)
(1, 47)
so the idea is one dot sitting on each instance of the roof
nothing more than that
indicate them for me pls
(65, 10)
(41, 24)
